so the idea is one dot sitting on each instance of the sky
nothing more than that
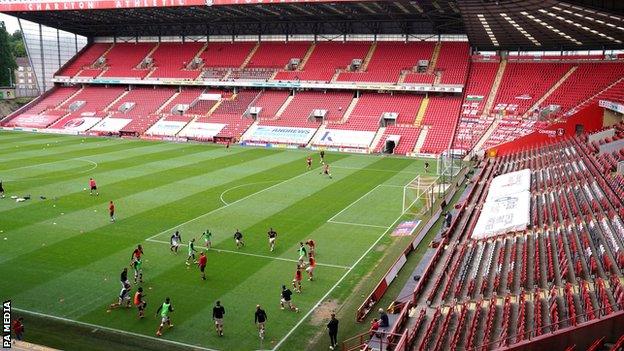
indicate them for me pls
(10, 22)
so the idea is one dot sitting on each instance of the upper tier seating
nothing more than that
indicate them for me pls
(220, 54)
(123, 59)
(326, 58)
(277, 54)
(472, 125)
(389, 59)
(171, 59)
(586, 81)
(90, 54)
(525, 83)
(453, 62)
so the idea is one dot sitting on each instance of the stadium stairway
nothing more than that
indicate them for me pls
(421, 139)
(434, 58)
(348, 112)
(377, 139)
(306, 57)
(495, 87)
(368, 57)
(166, 103)
(121, 96)
(552, 89)
(249, 56)
(486, 136)
(422, 110)
(284, 106)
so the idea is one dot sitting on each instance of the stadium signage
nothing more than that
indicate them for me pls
(6, 324)
(345, 138)
(611, 105)
(9, 6)
(281, 134)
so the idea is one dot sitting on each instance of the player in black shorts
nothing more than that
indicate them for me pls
(309, 162)
(1, 190)
(238, 236)
(322, 154)
(272, 234)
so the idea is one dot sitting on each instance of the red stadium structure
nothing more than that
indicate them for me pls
(529, 86)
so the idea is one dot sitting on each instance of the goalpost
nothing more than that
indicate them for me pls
(420, 194)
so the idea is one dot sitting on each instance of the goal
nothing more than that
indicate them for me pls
(420, 194)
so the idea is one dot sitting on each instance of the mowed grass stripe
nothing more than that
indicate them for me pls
(66, 181)
(39, 144)
(11, 141)
(67, 194)
(45, 147)
(68, 152)
(79, 208)
(64, 256)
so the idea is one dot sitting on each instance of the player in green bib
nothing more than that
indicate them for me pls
(207, 236)
(137, 266)
(164, 311)
(191, 252)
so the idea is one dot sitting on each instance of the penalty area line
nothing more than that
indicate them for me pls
(358, 224)
(112, 330)
(254, 255)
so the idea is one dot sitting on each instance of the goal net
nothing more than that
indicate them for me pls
(420, 194)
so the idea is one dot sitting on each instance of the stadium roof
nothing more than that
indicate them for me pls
(489, 24)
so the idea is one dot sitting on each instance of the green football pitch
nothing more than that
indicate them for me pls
(61, 256)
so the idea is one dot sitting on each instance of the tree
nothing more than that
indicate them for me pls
(7, 61)
(17, 44)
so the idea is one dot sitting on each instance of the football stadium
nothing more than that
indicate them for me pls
(373, 175)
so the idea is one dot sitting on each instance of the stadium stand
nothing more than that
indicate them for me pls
(171, 60)
(325, 60)
(124, 58)
(79, 66)
(387, 61)
(299, 111)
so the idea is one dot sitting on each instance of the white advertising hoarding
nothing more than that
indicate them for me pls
(287, 135)
(507, 206)
(201, 130)
(509, 183)
(503, 215)
(111, 124)
(168, 128)
(339, 137)
(80, 124)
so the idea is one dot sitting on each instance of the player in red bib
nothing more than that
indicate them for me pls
(311, 266)
(136, 254)
(326, 170)
(311, 245)
(93, 187)
(298, 278)
(309, 162)
(111, 211)
(202, 264)
(139, 302)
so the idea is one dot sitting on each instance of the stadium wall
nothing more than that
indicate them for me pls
(591, 118)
